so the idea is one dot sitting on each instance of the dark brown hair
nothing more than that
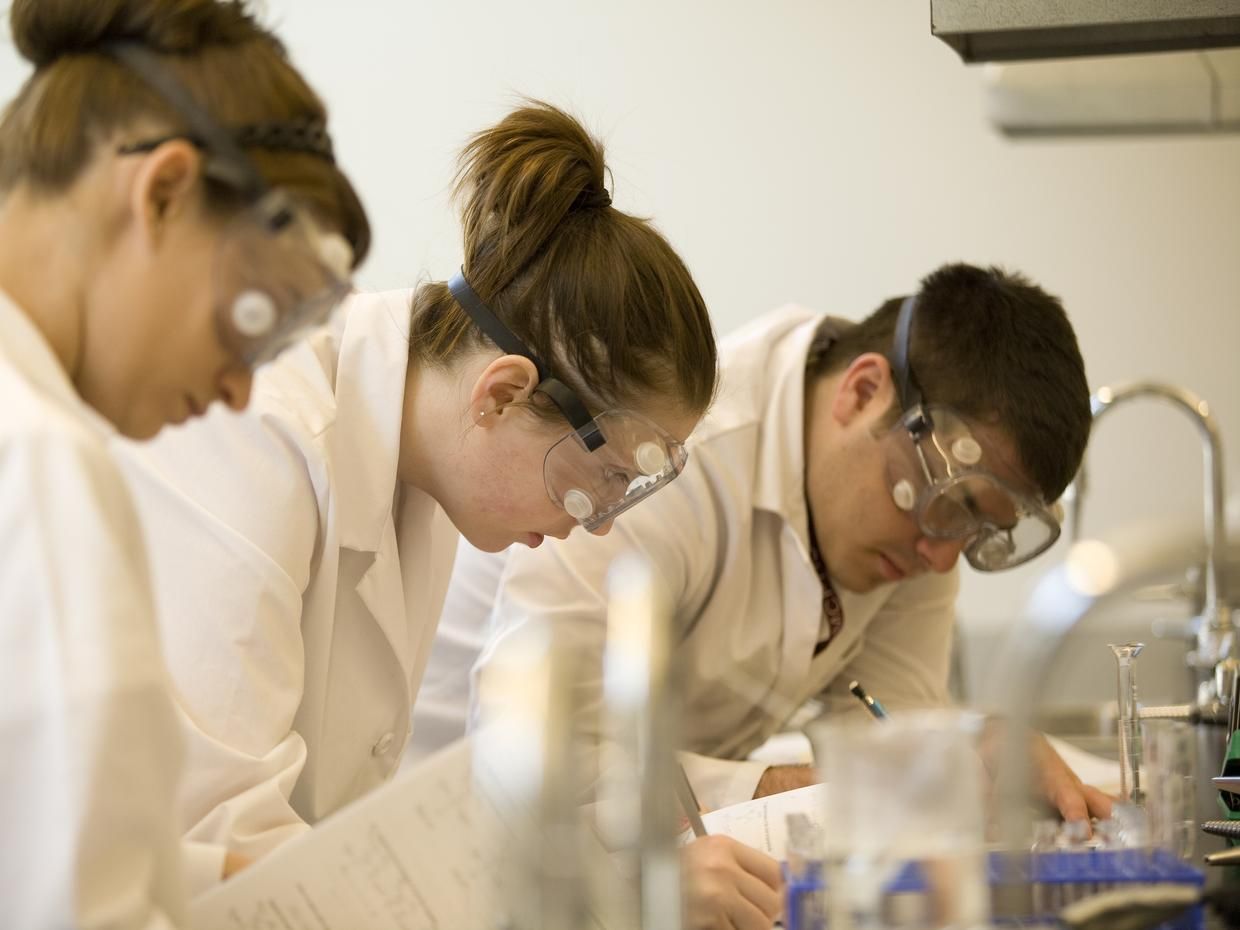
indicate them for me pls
(79, 98)
(597, 294)
(998, 349)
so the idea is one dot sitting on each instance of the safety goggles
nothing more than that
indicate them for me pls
(937, 473)
(606, 463)
(278, 272)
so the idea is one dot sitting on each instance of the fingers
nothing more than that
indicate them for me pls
(757, 864)
(730, 885)
(1070, 801)
(745, 916)
(758, 894)
(1099, 802)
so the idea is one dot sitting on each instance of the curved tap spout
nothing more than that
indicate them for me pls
(1214, 637)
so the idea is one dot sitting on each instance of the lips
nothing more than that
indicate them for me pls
(890, 569)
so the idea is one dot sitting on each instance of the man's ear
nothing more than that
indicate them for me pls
(865, 389)
(165, 185)
(507, 380)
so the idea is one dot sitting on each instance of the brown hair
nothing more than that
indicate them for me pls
(998, 349)
(597, 294)
(79, 98)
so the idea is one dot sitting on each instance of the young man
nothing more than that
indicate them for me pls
(813, 537)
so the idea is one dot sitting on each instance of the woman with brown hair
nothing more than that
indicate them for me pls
(171, 216)
(303, 551)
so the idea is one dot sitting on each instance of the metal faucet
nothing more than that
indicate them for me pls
(1093, 572)
(1215, 630)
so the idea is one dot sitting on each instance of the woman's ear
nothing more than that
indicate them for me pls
(165, 186)
(507, 380)
(866, 389)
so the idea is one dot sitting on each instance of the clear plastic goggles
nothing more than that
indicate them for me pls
(279, 273)
(635, 460)
(937, 473)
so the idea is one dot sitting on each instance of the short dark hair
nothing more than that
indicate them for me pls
(997, 348)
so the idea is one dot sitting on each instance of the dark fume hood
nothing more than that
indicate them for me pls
(1017, 30)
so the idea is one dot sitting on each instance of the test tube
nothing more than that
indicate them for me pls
(1129, 723)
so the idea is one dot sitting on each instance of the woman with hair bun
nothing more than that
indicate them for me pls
(303, 551)
(170, 216)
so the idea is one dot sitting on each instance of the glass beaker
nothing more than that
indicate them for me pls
(904, 842)
(1170, 785)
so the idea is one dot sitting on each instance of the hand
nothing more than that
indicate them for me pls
(234, 863)
(1073, 799)
(729, 886)
(779, 778)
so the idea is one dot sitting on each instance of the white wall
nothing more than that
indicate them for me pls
(818, 151)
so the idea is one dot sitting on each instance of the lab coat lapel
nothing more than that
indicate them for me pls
(370, 393)
(779, 487)
(802, 593)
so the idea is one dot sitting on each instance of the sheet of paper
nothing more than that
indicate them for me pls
(405, 857)
(426, 851)
(762, 823)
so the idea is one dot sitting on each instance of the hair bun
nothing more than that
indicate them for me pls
(45, 30)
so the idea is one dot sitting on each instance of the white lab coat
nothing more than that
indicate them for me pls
(730, 539)
(88, 733)
(441, 715)
(299, 585)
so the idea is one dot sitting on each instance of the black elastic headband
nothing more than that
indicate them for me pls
(560, 393)
(227, 162)
(906, 385)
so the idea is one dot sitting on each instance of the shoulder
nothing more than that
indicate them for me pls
(755, 361)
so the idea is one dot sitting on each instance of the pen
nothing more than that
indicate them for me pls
(871, 705)
(688, 801)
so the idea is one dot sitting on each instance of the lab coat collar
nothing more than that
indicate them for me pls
(28, 351)
(370, 399)
(779, 479)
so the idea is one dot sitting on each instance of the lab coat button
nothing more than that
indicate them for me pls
(383, 745)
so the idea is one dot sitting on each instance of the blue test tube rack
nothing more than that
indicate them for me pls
(1057, 878)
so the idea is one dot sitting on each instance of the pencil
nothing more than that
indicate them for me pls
(871, 705)
(688, 801)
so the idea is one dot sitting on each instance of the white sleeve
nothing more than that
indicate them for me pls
(721, 783)
(89, 737)
(231, 519)
(905, 654)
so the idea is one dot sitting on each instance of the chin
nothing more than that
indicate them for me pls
(140, 429)
(487, 542)
(858, 583)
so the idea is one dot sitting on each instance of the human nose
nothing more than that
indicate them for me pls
(234, 385)
(603, 529)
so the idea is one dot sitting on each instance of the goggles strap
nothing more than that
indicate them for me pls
(560, 393)
(910, 396)
(227, 162)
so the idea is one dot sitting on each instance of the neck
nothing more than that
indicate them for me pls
(818, 437)
(433, 425)
(43, 263)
